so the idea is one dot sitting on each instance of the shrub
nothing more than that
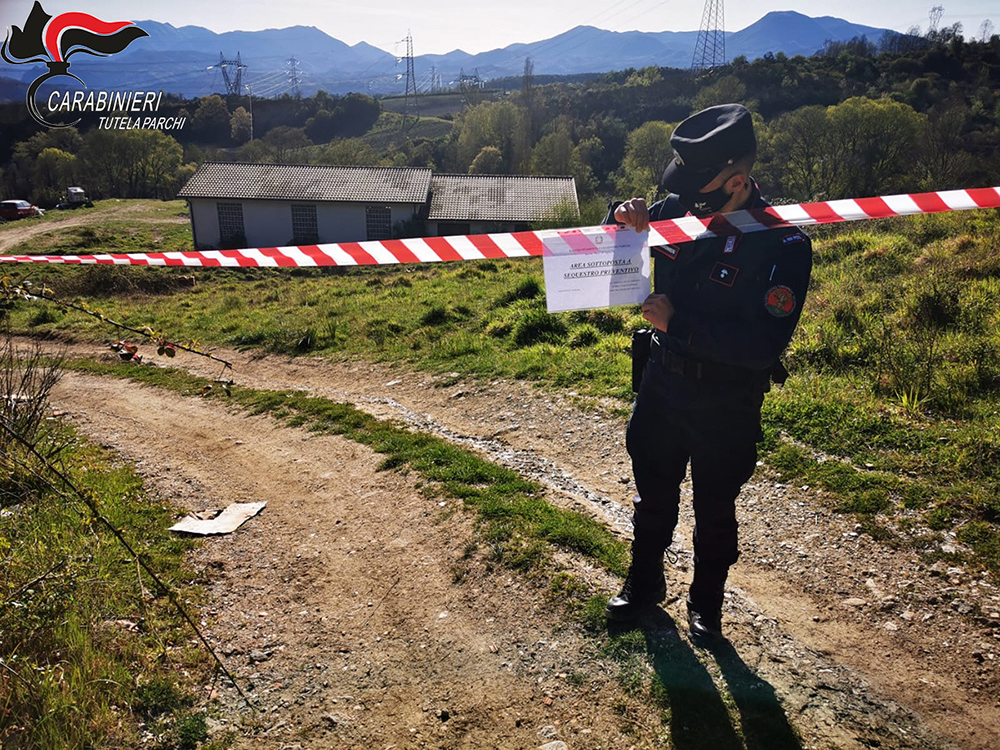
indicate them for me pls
(527, 289)
(584, 336)
(536, 327)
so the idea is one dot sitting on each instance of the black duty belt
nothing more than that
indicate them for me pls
(708, 371)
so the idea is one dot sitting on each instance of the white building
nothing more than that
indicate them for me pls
(273, 205)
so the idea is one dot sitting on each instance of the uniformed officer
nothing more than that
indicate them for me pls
(723, 310)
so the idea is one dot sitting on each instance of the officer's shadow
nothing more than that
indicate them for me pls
(698, 717)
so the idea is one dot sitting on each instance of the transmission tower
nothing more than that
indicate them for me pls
(710, 48)
(471, 87)
(936, 12)
(411, 85)
(294, 78)
(234, 84)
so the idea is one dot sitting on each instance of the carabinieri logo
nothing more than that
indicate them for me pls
(53, 40)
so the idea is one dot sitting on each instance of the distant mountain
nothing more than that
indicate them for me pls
(186, 60)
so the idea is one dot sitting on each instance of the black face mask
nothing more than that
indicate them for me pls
(703, 204)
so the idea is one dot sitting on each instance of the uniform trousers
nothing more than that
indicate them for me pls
(715, 427)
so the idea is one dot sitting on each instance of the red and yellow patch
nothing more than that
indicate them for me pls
(780, 301)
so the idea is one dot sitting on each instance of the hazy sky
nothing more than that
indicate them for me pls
(443, 25)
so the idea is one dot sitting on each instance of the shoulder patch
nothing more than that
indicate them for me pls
(788, 239)
(780, 301)
(724, 274)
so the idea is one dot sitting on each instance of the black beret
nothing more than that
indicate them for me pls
(705, 143)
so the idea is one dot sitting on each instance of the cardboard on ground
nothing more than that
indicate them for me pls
(225, 523)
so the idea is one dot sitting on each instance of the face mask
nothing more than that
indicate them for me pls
(703, 204)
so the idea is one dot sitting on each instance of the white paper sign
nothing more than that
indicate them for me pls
(616, 272)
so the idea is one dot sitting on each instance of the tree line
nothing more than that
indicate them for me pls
(858, 118)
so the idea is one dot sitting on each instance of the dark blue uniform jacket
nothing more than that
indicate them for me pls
(737, 301)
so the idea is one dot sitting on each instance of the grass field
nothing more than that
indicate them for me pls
(892, 407)
(92, 654)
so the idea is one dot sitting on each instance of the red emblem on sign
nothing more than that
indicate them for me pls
(780, 301)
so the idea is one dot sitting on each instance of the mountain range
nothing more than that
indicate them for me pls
(186, 60)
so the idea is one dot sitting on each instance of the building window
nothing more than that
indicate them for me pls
(304, 230)
(231, 232)
(378, 222)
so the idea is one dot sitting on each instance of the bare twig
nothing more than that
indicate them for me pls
(370, 616)
(32, 293)
(29, 584)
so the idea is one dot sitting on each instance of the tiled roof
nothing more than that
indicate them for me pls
(464, 197)
(308, 183)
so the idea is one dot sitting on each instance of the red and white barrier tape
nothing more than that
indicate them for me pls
(523, 244)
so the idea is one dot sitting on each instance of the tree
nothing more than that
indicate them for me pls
(553, 154)
(726, 89)
(55, 170)
(240, 125)
(488, 161)
(132, 163)
(322, 126)
(23, 167)
(873, 145)
(284, 140)
(793, 154)
(503, 125)
(645, 77)
(350, 152)
(945, 162)
(256, 152)
(211, 120)
(647, 152)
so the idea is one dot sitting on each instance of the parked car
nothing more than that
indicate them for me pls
(10, 210)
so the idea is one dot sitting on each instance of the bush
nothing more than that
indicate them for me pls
(584, 336)
(529, 289)
(537, 327)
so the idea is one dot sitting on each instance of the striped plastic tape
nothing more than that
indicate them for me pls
(555, 241)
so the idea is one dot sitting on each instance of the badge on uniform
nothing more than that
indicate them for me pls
(780, 301)
(723, 274)
(669, 250)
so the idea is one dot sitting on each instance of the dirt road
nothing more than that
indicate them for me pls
(364, 618)
(15, 232)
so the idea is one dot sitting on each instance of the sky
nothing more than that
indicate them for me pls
(440, 26)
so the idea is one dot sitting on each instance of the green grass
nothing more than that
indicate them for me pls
(89, 650)
(896, 362)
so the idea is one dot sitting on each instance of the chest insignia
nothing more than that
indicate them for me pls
(669, 250)
(730, 244)
(780, 301)
(724, 274)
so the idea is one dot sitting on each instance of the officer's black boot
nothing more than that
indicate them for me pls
(644, 586)
(704, 605)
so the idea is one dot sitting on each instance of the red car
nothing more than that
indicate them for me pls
(10, 210)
